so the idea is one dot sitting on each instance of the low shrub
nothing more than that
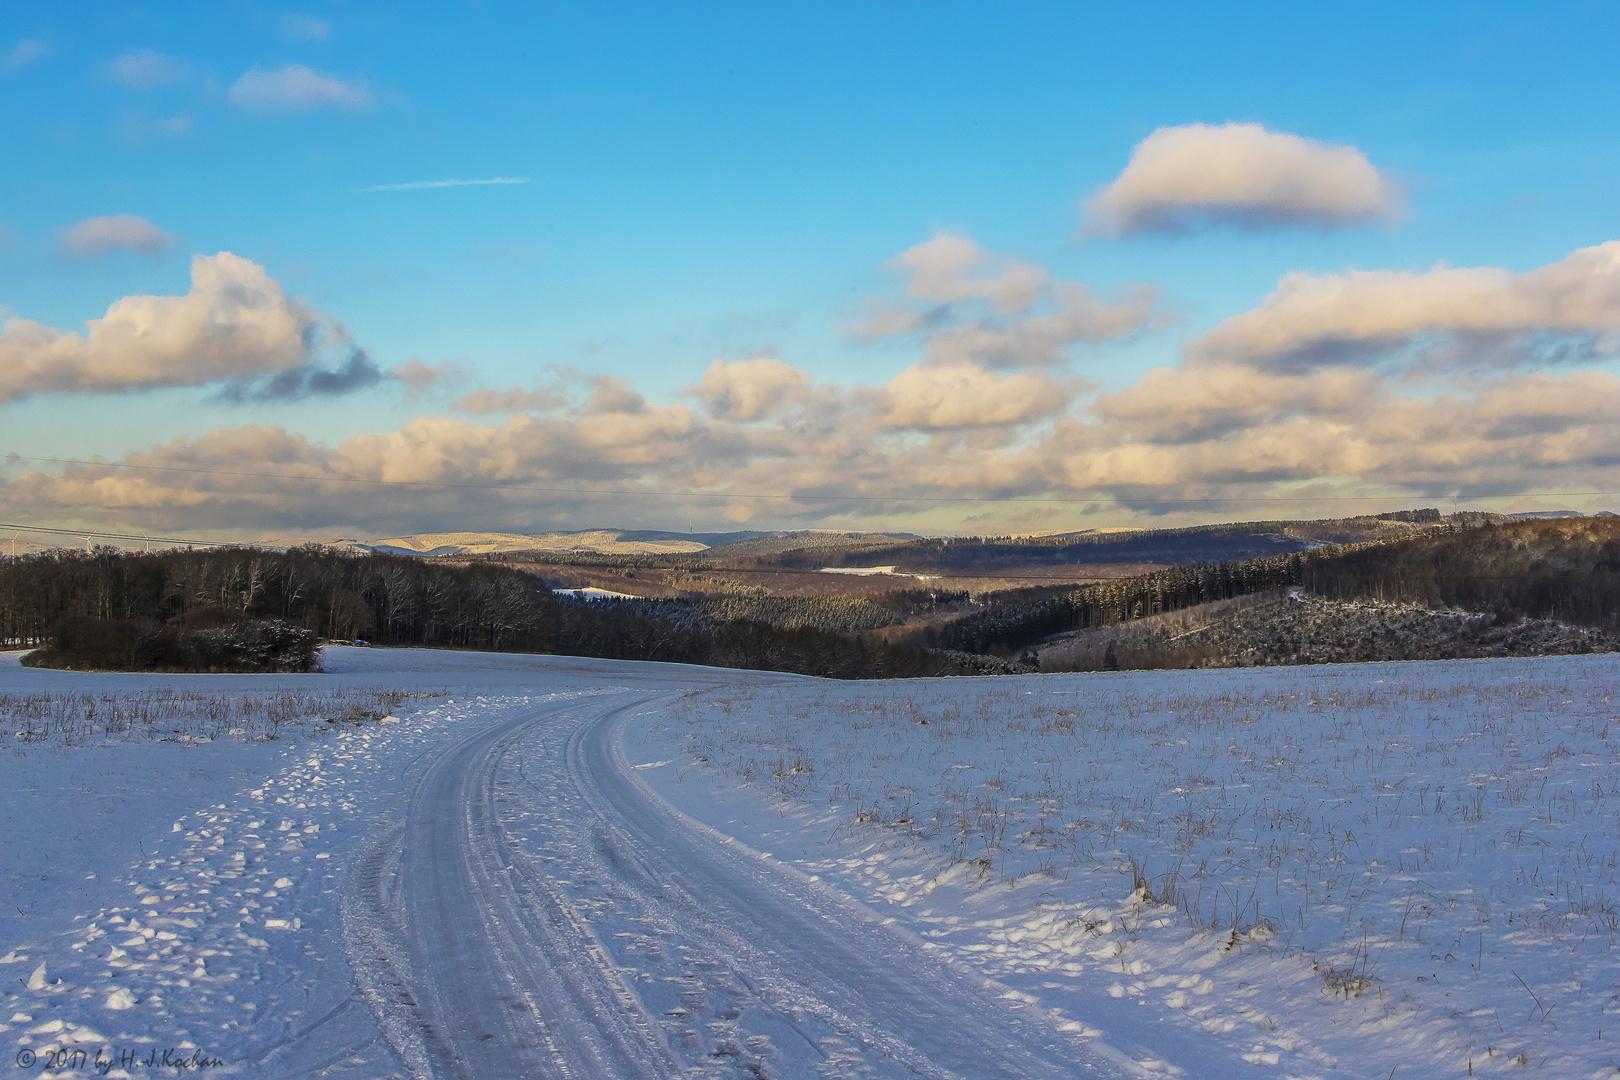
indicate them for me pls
(246, 645)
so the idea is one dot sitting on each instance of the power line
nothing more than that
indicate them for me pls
(104, 535)
(797, 497)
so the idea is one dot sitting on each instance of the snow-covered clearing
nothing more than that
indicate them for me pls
(590, 592)
(1348, 870)
(544, 866)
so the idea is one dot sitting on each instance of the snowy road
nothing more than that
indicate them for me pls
(544, 913)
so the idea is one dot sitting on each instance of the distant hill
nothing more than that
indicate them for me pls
(970, 556)
(609, 541)
(764, 545)
(1513, 587)
(616, 542)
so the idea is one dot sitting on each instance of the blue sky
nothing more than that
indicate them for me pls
(733, 182)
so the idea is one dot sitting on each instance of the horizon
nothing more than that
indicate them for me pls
(35, 542)
(372, 270)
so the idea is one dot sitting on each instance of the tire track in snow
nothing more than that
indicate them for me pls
(545, 914)
(470, 961)
(826, 965)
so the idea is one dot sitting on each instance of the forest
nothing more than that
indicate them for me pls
(1185, 546)
(1564, 569)
(141, 610)
(234, 608)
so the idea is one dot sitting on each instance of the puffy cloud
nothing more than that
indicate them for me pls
(295, 86)
(1515, 430)
(966, 395)
(147, 69)
(1364, 314)
(234, 323)
(613, 395)
(1242, 174)
(1043, 339)
(945, 270)
(1175, 407)
(97, 236)
(985, 309)
(750, 389)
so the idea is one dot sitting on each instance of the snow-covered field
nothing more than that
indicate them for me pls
(1315, 871)
(540, 866)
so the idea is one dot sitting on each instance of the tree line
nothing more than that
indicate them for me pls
(1566, 569)
(403, 600)
(1187, 546)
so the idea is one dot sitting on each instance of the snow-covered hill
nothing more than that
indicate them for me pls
(607, 541)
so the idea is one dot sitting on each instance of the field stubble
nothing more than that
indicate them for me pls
(178, 714)
(1438, 844)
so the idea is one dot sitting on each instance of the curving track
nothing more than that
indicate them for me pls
(543, 914)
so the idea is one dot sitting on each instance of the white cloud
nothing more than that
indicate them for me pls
(1173, 406)
(235, 323)
(1364, 314)
(611, 395)
(947, 269)
(97, 236)
(1345, 435)
(979, 308)
(514, 400)
(418, 185)
(1077, 314)
(748, 390)
(1232, 429)
(24, 53)
(295, 86)
(1242, 174)
(147, 69)
(924, 398)
(301, 27)
(422, 378)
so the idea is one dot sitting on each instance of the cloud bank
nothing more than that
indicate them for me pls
(996, 407)
(1180, 178)
(1462, 314)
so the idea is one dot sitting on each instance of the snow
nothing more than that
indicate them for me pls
(607, 541)
(1404, 867)
(700, 872)
(591, 592)
(873, 571)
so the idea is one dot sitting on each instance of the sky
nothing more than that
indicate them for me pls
(365, 269)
